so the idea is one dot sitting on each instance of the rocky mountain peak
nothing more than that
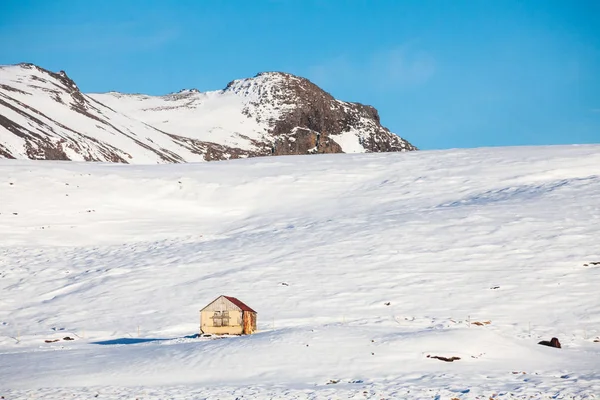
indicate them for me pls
(193, 90)
(306, 119)
(61, 76)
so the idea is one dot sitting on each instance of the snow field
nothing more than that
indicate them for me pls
(318, 245)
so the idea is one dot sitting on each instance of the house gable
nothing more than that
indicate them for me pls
(227, 303)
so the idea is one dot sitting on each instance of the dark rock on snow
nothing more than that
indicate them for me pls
(552, 343)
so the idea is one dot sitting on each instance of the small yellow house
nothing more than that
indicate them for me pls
(227, 316)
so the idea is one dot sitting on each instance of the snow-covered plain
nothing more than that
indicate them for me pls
(121, 258)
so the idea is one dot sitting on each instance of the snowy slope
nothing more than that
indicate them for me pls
(43, 115)
(121, 258)
(210, 116)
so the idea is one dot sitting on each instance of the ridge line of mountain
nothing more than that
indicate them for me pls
(44, 115)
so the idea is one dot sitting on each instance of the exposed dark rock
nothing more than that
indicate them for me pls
(447, 359)
(315, 117)
(552, 343)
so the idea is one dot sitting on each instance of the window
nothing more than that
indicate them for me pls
(225, 318)
(217, 320)
(220, 318)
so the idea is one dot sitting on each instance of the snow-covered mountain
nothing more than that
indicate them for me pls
(43, 115)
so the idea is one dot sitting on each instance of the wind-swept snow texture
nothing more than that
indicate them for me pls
(360, 267)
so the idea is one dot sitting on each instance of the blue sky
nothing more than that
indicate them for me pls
(443, 74)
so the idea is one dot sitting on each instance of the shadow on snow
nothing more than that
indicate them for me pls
(138, 340)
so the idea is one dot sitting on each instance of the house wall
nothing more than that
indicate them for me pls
(234, 326)
(249, 322)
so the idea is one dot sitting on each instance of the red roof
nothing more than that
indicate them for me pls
(239, 303)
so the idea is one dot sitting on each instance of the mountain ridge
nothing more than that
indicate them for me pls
(44, 115)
